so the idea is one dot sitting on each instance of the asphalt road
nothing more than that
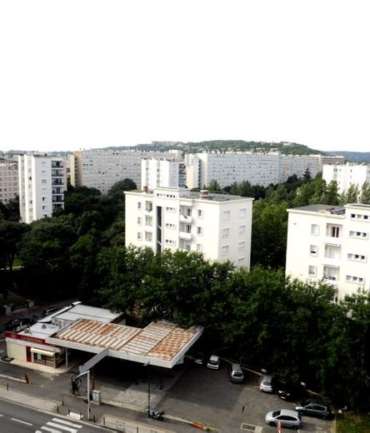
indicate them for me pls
(17, 419)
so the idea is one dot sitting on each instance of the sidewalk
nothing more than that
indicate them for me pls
(56, 399)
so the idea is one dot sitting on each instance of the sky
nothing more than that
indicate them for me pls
(82, 74)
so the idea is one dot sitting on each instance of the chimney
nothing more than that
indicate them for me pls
(204, 193)
(146, 188)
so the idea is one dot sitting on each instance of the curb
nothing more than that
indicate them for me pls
(54, 414)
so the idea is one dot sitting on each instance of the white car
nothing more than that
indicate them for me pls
(286, 418)
(266, 384)
(213, 362)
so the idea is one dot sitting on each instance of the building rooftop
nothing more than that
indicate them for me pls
(330, 209)
(184, 193)
(160, 343)
(321, 208)
(66, 316)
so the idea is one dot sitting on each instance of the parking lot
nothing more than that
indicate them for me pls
(209, 397)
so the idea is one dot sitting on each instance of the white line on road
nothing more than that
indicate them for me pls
(51, 430)
(71, 424)
(21, 421)
(62, 427)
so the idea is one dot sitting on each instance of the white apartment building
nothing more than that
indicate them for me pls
(257, 168)
(216, 225)
(298, 164)
(162, 172)
(42, 182)
(8, 180)
(330, 244)
(346, 175)
(102, 168)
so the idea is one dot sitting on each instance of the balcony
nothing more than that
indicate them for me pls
(185, 218)
(185, 235)
(331, 274)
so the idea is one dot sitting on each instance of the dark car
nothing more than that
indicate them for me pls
(291, 391)
(314, 408)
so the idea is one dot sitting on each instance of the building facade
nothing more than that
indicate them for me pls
(102, 168)
(162, 172)
(42, 182)
(216, 225)
(257, 168)
(332, 245)
(8, 180)
(346, 175)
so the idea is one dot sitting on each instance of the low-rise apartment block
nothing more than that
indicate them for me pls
(216, 225)
(346, 175)
(42, 182)
(8, 180)
(332, 245)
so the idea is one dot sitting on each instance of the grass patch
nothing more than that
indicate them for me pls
(351, 423)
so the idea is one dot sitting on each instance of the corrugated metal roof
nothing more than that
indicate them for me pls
(161, 340)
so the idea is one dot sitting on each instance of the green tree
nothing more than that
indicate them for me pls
(352, 194)
(319, 194)
(214, 186)
(269, 233)
(11, 233)
(331, 194)
(365, 193)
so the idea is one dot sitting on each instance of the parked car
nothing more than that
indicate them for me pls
(213, 362)
(314, 408)
(236, 373)
(266, 383)
(286, 417)
(291, 391)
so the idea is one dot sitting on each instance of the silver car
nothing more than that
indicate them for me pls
(266, 384)
(286, 417)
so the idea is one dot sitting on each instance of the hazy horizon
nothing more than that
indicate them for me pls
(139, 144)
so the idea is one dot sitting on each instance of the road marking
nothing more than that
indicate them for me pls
(51, 430)
(62, 427)
(20, 421)
(63, 421)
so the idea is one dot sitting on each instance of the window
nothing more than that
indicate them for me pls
(315, 230)
(148, 206)
(242, 229)
(314, 250)
(199, 212)
(199, 230)
(139, 220)
(312, 271)
(243, 213)
(148, 220)
(225, 233)
(227, 215)
(199, 248)
(241, 246)
(148, 236)
(358, 235)
(356, 257)
(355, 279)
(333, 231)
(139, 236)
(139, 204)
(225, 249)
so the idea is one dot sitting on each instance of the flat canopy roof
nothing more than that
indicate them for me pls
(161, 343)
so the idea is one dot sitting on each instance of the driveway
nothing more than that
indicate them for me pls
(207, 396)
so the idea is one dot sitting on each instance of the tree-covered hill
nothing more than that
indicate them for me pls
(231, 145)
